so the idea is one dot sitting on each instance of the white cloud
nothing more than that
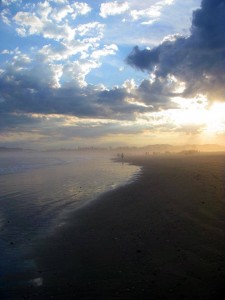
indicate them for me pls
(5, 16)
(171, 37)
(31, 24)
(60, 13)
(26, 69)
(136, 10)
(9, 2)
(152, 13)
(44, 9)
(76, 71)
(45, 72)
(113, 8)
(59, 1)
(54, 54)
(62, 10)
(63, 51)
(54, 22)
(57, 72)
(21, 61)
(80, 8)
(16, 51)
(130, 85)
(5, 51)
(29, 21)
(59, 32)
(89, 35)
(107, 50)
(89, 29)
(167, 2)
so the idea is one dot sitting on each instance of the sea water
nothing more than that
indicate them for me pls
(38, 190)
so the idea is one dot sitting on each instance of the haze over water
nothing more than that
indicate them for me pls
(37, 193)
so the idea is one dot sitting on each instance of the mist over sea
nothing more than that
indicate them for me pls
(38, 191)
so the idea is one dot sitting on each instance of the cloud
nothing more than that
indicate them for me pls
(113, 8)
(75, 9)
(30, 24)
(32, 86)
(5, 16)
(107, 50)
(53, 22)
(59, 1)
(143, 59)
(147, 15)
(158, 93)
(80, 8)
(151, 14)
(10, 122)
(42, 84)
(44, 90)
(43, 9)
(10, 2)
(39, 130)
(89, 129)
(59, 14)
(67, 44)
(76, 71)
(191, 129)
(63, 52)
(197, 60)
(88, 29)
(33, 24)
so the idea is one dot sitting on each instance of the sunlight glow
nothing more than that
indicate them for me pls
(197, 112)
(216, 119)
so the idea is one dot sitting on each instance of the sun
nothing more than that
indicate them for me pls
(215, 119)
(196, 112)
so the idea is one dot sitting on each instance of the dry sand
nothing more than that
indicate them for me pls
(161, 237)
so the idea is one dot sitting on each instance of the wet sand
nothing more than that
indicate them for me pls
(161, 237)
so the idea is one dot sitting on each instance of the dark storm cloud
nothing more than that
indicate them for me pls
(198, 60)
(143, 59)
(25, 94)
(12, 122)
(157, 93)
(114, 100)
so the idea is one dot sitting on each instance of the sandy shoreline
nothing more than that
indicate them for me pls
(161, 237)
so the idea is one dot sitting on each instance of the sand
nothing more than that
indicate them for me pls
(160, 237)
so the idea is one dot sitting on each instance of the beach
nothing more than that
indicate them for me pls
(38, 190)
(159, 237)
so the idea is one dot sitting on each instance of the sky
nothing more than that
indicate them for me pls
(111, 73)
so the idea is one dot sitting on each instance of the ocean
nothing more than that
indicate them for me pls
(38, 191)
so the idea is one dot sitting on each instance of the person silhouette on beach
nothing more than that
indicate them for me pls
(122, 156)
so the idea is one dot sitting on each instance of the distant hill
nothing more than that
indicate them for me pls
(179, 148)
(150, 149)
(167, 149)
(9, 149)
(211, 147)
